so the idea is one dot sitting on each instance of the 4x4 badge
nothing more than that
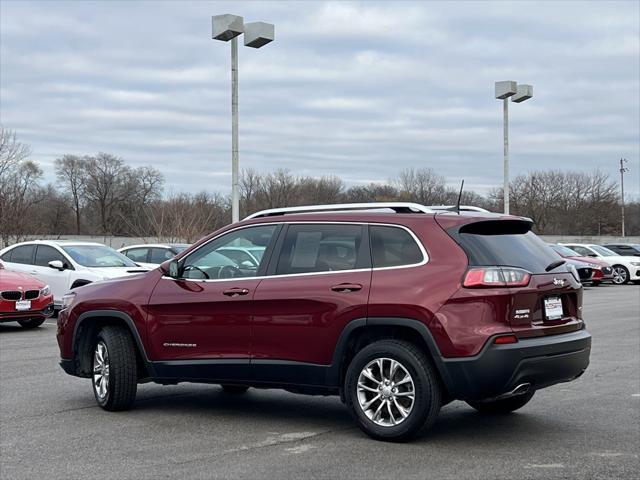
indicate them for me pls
(558, 282)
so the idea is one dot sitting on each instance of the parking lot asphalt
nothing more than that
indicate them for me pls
(51, 427)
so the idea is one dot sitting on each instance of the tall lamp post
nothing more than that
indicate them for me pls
(623, 169)
(256, 34)
(517, 93)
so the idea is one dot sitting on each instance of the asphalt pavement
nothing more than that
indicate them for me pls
(51, 427)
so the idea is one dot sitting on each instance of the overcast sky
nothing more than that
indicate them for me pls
(358, 90)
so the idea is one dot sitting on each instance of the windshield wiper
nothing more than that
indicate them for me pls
(555, 264)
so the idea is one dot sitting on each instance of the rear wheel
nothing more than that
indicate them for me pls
(620, 274)
(31, 322)
(234, 389)
(596, 283)
(114, 372)
(392, 390)
(505, 405)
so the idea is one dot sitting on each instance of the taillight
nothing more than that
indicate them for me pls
(505, 339)
(478, 277)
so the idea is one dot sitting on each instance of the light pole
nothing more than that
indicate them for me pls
(517, 93)
(623, 169)
(256, 34)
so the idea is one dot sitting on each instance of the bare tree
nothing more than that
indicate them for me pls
(71, 171)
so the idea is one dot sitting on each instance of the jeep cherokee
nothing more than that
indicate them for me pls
(395, 307)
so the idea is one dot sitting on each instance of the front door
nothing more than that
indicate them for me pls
(205, 313)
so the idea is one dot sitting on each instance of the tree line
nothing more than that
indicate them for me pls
(102, 195)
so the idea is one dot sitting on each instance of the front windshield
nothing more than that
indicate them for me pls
(605, 252)
(565, 251)
(97, 256)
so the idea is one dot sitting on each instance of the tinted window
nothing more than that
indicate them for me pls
(46, 254)
(137, 254)
(392, 247)
(159, 255)
(320, 248)
(22, 254)
(506, 243)
(209, 262)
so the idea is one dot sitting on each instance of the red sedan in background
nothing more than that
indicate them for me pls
(24, 299)
(602, 271)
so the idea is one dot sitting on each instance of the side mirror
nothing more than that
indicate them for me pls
(174, 269)
(57, 264)
(593, 255)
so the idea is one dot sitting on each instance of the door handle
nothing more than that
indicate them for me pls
(347, 287)
(235, 292)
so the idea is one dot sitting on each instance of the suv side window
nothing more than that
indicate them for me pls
(159, 255)
(137, 254)
(23, 254)
(208, 263)
(321, 248)
(393, 247)
(46, 254)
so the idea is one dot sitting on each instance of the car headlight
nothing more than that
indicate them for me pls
(68, 299)
(595, 267)
(635, 264)
(45, 291)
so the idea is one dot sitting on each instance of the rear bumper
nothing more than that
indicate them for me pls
(541, 361)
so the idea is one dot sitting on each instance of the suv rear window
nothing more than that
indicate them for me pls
(393, 247)
(506, 243)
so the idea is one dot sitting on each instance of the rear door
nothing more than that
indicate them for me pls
(20, 258)
(318, 283)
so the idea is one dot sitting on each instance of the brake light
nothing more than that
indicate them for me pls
(478, 277)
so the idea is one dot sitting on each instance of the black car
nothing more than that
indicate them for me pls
(625, 249)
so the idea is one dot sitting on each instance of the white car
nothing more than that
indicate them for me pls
(625, 269)
(64, 265)
(153, 254)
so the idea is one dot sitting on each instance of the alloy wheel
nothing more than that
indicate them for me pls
(619, 275)
(386, 392)
(101, 370)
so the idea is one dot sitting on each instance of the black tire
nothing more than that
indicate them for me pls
(122, 378)
(79, 283)
(31, 322)
(623, 276)
(428, 393)
(595, 284)
(506, 405)
(235, 389)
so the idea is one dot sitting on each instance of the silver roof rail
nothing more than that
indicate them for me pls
(398, 207)
(463, 208)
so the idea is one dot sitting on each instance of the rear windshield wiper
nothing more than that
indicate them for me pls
(555, 264)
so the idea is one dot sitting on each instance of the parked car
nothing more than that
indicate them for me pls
(153, 254)
(24, 299)
(602, 271)
(430, 308)
(625, 249)
(625, 269)
(64, 265)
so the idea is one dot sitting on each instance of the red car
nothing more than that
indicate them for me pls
(397, 308)
(602, 271)
(24, 299)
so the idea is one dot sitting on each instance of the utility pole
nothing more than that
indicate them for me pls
(623, 169)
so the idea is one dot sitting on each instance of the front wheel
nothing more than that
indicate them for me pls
(505, 405)
(620, 274)
(595, 283)
(392, 390)
(114, 370)
(31, 322)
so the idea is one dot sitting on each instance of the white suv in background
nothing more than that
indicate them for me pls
(625, 269)
(64, 265)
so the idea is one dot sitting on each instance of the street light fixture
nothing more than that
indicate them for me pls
(257, 34)
(518, 94)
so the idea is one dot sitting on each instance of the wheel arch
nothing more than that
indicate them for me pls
(362, 332)
(86, 330)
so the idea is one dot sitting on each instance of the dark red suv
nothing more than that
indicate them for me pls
(396, 308)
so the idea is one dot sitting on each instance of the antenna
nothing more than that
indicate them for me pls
(459, 197)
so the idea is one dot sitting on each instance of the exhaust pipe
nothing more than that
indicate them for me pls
(519, 390)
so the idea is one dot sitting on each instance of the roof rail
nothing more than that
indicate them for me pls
(398, 207)
(463, 208)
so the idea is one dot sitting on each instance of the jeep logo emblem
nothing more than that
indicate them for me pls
(558, 282)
